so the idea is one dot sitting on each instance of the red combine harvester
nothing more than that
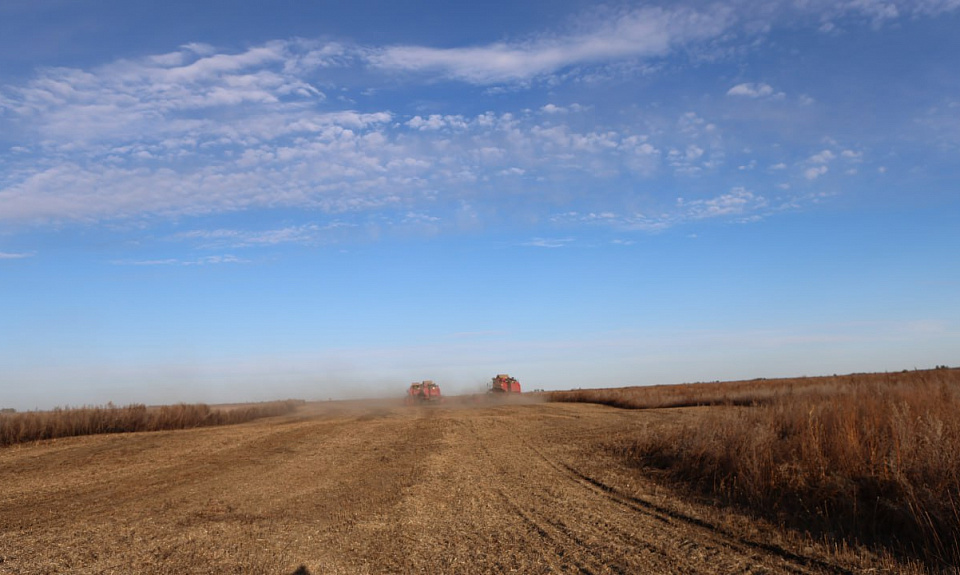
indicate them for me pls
(423, 392)
(504, 384)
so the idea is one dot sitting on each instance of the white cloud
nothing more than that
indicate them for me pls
(639, 33)
(549, 243)
(211, 260)
(640, 155)
(751, 90)
(691, 124)
(512, 172)
(694, 152)
(204, 261)
(280, 152)
(127, 98)
(16, 255)
(739, 201)
(306, 234)
(877, 12)
(437, 122)
(420, 218)
(738, 205)
(824, 157)
(701, 148)
(554, 109)
(815, 172)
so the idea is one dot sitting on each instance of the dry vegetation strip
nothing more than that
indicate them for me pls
(60, 422)
(870, 458)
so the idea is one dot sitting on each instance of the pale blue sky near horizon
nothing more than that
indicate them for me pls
(246, 201)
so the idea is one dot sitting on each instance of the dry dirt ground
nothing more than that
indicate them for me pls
(349, 487)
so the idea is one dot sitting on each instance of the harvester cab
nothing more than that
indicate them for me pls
(424, 391)
(503, 383)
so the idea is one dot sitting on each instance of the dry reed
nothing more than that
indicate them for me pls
(869, 458)
(68, 422)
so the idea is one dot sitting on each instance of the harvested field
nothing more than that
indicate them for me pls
(351, 487)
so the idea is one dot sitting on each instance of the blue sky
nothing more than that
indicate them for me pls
(246, 201)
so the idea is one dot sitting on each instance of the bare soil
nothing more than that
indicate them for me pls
(353, 487)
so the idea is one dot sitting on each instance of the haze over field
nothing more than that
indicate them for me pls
(315, 200)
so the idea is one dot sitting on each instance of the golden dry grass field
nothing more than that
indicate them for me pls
(362, 487)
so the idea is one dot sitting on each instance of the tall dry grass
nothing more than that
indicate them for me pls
(870, 458)
(68, 422)
(751, 393)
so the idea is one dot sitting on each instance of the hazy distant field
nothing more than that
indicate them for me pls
(534, 487)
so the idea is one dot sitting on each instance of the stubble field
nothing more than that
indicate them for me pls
(360, 487)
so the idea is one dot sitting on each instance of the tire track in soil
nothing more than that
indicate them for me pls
(554, 542)
(555, 535)
(705, 542)
(735, 543)
(668, 517)
(577, 533)
(470, 510)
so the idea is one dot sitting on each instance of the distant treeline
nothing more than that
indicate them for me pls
(869, 458)
(68, 422)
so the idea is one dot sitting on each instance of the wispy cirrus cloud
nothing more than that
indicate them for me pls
(120, 99)
(552, 243)
(639, 33)
(16, 255)
(203, 261)
(305, 234)
(739, 204)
